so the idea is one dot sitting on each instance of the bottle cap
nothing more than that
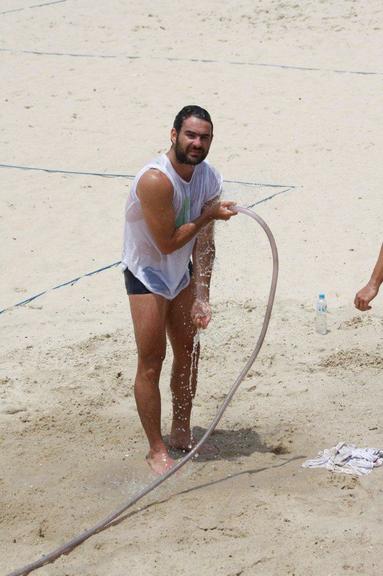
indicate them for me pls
(322, 296)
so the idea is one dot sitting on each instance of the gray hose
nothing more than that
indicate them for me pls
(69, 546)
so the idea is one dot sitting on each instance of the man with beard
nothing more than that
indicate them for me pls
(167, 259)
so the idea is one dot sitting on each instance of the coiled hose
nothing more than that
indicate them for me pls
(69, 546)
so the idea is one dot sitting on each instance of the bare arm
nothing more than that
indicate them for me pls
(155, 192)
(368, 292)
(203, 259)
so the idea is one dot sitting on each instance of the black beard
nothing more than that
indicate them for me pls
(182, 157)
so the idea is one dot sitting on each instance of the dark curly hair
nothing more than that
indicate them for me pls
(191, 110)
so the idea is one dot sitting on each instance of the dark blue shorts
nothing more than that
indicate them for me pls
(134, 286)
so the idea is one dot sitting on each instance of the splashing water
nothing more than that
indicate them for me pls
(194, 361)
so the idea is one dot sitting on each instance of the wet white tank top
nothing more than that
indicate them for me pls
(166, 274)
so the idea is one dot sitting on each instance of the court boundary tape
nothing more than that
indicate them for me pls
(128, 176)
(194, 61)
(33, 6)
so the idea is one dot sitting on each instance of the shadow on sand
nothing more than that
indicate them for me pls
(230, 444)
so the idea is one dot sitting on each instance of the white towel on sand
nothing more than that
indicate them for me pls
(347, 458)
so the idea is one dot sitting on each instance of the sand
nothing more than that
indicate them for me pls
(294, 89)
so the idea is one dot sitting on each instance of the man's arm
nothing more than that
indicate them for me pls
(366, 294)
(155, 193)
(203, 259)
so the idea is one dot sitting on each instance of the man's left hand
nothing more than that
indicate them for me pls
(201, 313)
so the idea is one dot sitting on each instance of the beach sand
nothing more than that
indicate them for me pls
(294, 90)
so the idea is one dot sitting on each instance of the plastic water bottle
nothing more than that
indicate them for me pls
(321, 315)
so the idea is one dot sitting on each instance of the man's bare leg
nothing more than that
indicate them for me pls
(149, 319)
(181, 332)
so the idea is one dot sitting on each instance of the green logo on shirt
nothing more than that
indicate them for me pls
(184, 214)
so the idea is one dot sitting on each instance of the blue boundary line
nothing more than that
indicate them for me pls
(195, 60)
(271, 196)
(34, 6)
(129, 176)
(76, 172)
(71, 282)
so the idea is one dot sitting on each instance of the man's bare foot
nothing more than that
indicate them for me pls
(160, 461)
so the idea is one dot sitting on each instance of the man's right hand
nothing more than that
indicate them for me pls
(220, 210)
